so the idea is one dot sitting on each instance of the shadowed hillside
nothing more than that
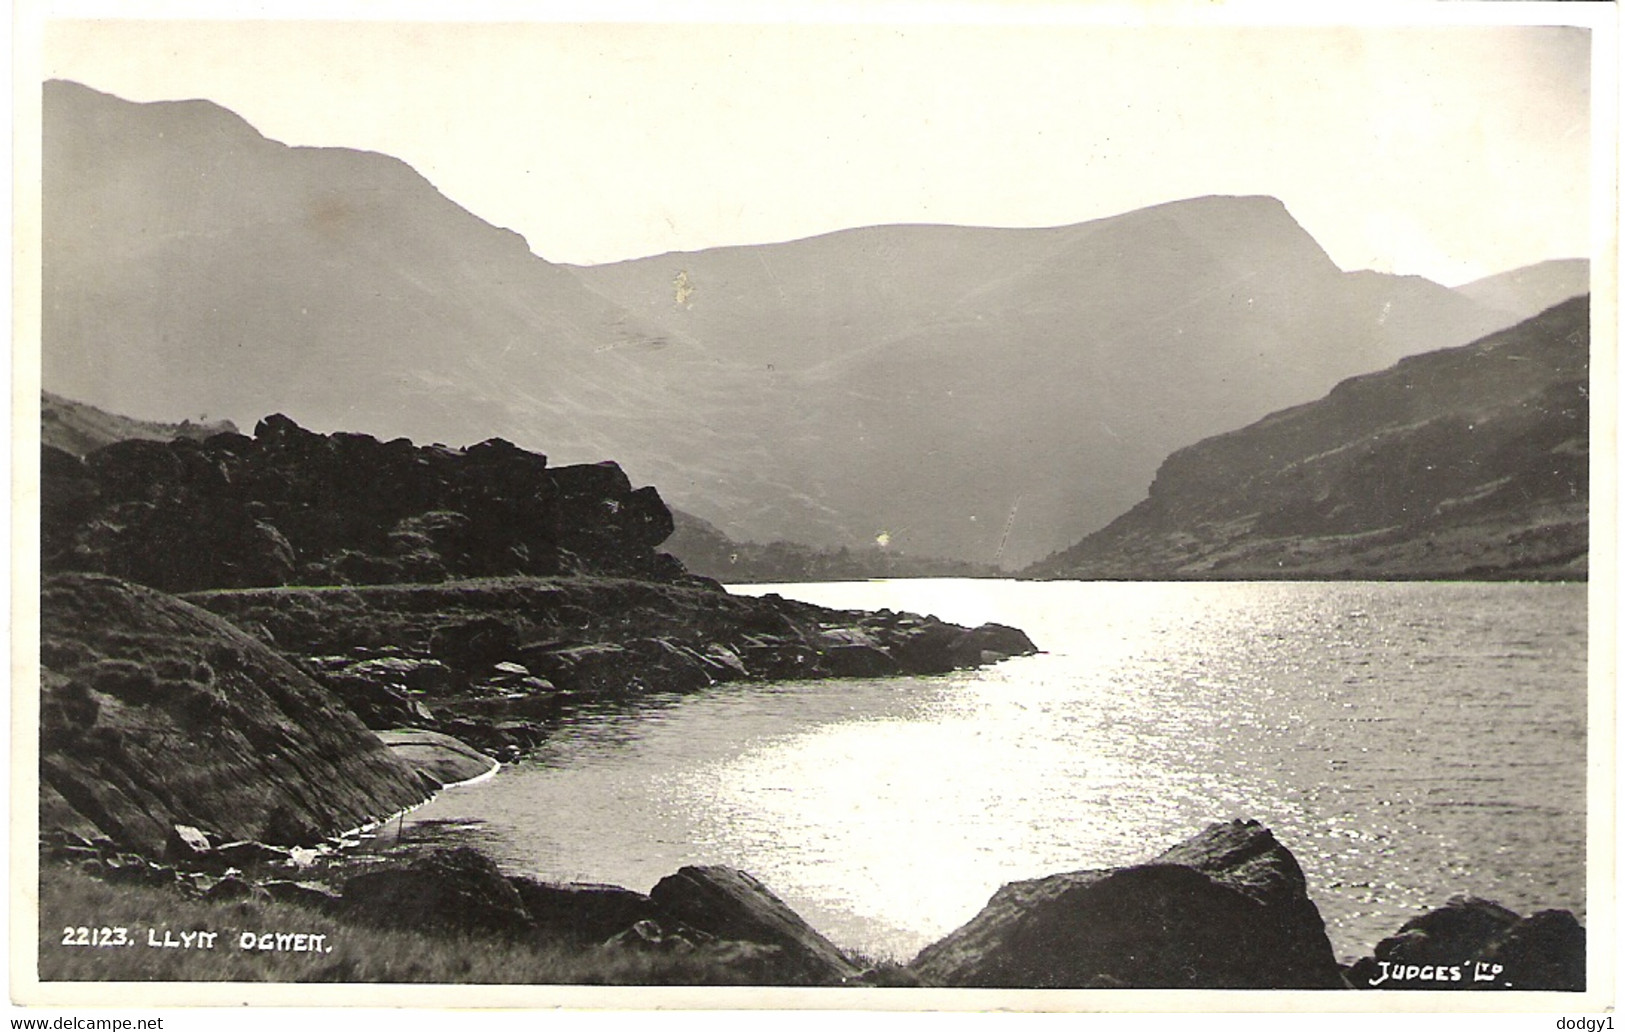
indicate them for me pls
(1467, 462)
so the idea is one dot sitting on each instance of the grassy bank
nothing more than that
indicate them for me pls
(347, 953)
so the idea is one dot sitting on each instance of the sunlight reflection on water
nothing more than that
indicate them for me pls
(1406, 741)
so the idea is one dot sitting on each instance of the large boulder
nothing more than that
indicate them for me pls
(584, 914)
(1472, 943)
(445, 892)
(1226, 909)
(990, 641)
(732, 905)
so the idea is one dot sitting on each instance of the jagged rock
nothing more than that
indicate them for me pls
(474, 645)
(1226, 909)
(858, 661)
(664, 665)
(584, 913)
(925, 647)
(584, 640)
(772, 657)
(187, 843)
(291, 506)
(1245, 856)
(722, 662)
(1544, 952)
(595, 668)
(1463, 927)
(732, 905)
(1472, 943)
(455, 890)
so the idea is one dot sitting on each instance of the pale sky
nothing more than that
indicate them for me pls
(1450, 152)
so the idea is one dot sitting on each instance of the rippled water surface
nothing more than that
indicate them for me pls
(1406, 741)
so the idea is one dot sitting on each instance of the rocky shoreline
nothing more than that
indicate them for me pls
(499, 663)
(1225, 909)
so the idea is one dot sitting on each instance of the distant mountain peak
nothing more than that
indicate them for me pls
(191, 116)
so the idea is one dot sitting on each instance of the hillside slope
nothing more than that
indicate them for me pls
(80, 429)
(1528, 291)
(1467, 462)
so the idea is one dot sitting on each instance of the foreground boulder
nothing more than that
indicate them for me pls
(156, 715)
(584, 914)
(1227, 909)
(1473, 943)
(732, 905)
(445, 891)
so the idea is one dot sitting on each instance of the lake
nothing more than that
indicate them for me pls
(1407, 741)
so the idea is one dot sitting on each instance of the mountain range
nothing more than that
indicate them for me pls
(989, 395)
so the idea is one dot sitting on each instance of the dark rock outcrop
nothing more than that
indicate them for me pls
(445, 891)
(289, 506)
(585, 914)
(1225, 909)
(156, 714)
(1467, 463)
(732, 905)
(1472, 943)
(989, 642)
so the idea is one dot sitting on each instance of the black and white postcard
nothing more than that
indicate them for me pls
(923, 507)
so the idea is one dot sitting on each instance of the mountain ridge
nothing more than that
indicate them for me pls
(992, 400)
